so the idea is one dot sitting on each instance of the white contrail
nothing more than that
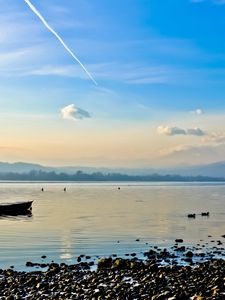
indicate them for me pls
(59, 38)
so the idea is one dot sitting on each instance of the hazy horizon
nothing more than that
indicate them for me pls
(112, 83)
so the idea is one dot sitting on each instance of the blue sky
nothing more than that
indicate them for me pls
(160, 69)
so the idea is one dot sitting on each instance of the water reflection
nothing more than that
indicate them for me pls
(66, 246)
(90, 218)
(17, 216)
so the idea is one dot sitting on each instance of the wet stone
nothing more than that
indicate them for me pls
(179, 240)
(121, 278)
(189, 254)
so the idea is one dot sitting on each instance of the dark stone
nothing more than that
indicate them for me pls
(201, 254)
(29, 264)
(181, 249)
(119, 263)
(179, 240)
(121, 278)
(150, 254)
(189, 254)
(188, 260)
(105, 262)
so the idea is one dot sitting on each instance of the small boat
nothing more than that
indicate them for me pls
(17, 208)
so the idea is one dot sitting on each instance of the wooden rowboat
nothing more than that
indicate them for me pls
(17, 208)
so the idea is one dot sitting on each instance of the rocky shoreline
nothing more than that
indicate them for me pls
(118, 278)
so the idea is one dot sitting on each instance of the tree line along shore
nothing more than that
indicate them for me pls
(98, 176)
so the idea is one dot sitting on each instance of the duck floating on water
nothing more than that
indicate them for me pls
(191, 215)
(205, 214)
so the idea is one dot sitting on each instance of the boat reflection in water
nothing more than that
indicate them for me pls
(16, 209)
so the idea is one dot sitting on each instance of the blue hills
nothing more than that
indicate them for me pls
(216, 169)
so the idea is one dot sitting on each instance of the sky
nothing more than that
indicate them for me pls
(116, 83)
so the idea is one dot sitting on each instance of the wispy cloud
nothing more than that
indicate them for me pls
(174, 150)
(36, 61)
(134, 73)
(195, 131)
(215, 138)
(71, 112)
(110, 71)
(194, 154)
(18, 55)
(55, 70)
(37, 13)
(126, 68)
(171, 131)
(210, 148)
(128, 73)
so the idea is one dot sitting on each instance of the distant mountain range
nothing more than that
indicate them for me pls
(213, 170)
(210, 170)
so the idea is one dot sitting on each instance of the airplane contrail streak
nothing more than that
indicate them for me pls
(36, 12)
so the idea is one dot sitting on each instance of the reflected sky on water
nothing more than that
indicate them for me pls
(100, 219)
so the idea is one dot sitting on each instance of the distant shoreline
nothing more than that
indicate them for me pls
(80, 176)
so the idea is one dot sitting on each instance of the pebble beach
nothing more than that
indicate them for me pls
(118, 278)
(135, 251)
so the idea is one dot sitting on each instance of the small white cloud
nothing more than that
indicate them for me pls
(71, 112)
(180, 131)
(197, 111)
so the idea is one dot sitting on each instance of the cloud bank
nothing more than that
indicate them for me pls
(171, 131)
(71, 112)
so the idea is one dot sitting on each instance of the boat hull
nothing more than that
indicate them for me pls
(18, 208)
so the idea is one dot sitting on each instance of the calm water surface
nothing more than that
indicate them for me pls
(98, 219)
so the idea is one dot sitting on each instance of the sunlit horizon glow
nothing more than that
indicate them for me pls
(160, 68)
